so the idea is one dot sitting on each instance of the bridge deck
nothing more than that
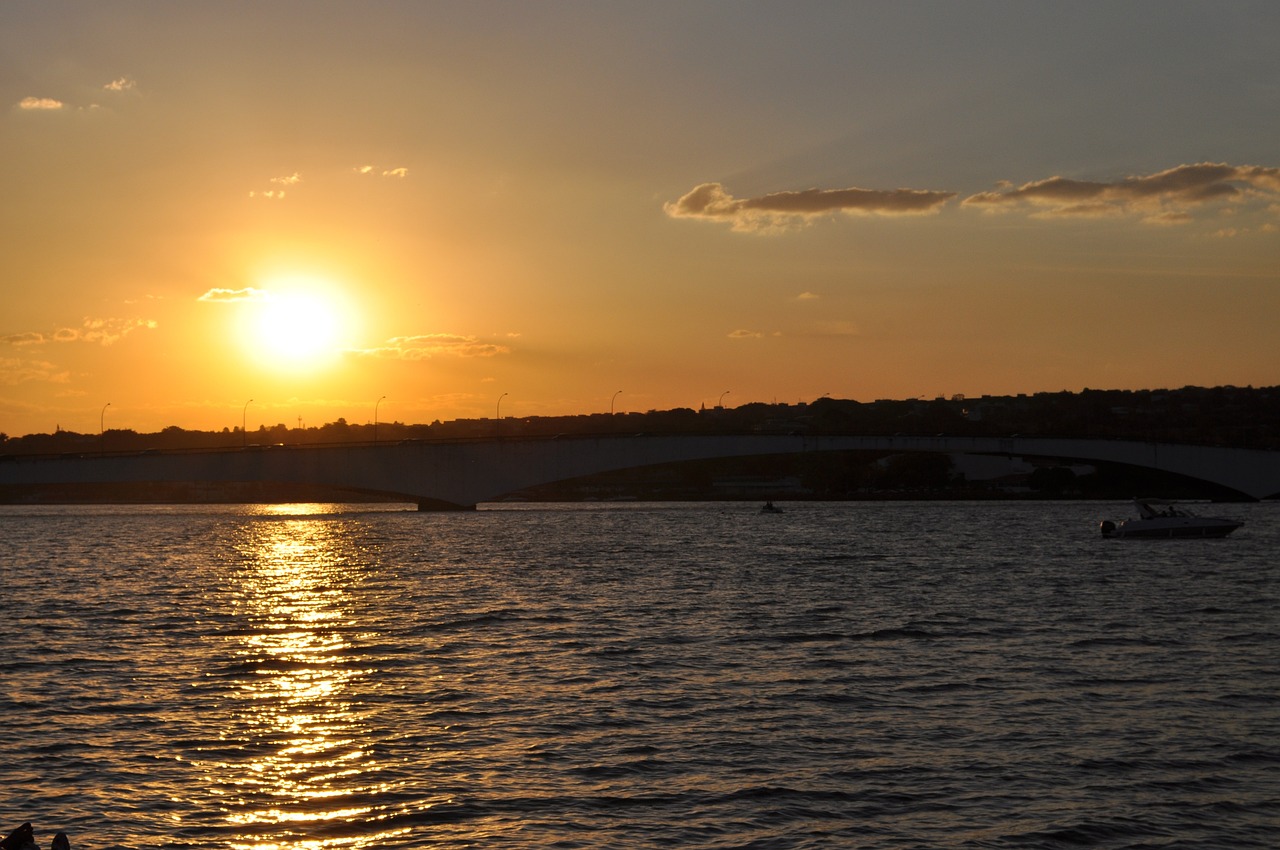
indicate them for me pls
(464, 473)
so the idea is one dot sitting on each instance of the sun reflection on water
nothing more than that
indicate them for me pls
(295, 769)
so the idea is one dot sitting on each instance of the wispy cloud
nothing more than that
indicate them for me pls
(835, 328)
(278, 185)
(426, 346)
(226, 296)
(39, 104)
(276, 194)
(14, 371)
(49, 104)
(108, 331)
(95, 331)
(779, 210)
(1165, 197)
(375, 171)
(25, 338)
(808, 296)
(743, 333)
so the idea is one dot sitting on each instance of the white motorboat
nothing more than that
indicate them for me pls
(1161, 518)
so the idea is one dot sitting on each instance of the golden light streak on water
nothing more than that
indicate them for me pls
(293, 716)
(328, 844)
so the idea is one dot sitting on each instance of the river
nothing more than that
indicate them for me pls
(864, 675)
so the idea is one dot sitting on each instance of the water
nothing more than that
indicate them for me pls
(869, 675)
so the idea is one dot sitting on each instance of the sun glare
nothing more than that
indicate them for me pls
(296, 326)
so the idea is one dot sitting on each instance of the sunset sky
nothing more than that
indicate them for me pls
(328, 208)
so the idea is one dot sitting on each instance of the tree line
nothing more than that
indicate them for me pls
(1240, 417)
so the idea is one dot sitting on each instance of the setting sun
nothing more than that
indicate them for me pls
(296, 325)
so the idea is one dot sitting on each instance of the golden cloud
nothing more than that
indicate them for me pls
(225, 296)
(36, 104)
(425, 346)
(107, 331)
(400, 172)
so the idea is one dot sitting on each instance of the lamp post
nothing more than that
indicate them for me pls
(375, 418)
(102, 433)
(244, 434)
(612, 400)
(497, 416)
(720, 403)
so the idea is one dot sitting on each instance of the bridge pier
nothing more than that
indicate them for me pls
(438, 505)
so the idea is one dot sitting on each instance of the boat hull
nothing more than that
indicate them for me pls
(1140, 529)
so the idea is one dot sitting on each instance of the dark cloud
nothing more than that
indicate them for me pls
(778, 209)
(1165, 196)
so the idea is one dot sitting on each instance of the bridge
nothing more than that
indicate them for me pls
(460, 474)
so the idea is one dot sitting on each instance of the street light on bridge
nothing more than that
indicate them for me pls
(720, 403)
(612, 400)
(375, 418)
(244, 434)
(102, 433)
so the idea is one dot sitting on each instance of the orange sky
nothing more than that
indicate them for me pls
(319, 205)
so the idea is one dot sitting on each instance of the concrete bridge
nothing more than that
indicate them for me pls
(460, 474)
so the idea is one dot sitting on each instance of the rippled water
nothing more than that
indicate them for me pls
(862, 675)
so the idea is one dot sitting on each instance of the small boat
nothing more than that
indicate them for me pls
(770, 508)
(1159, 518)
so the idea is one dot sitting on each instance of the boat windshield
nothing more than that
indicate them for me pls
(1152, 509)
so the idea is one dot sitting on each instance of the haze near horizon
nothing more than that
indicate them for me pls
(300, 212)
